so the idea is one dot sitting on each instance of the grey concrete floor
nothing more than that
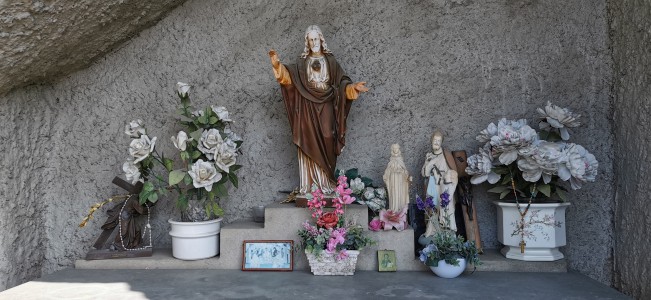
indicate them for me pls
(233, 284)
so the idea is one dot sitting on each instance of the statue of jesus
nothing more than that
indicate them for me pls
(318, 96)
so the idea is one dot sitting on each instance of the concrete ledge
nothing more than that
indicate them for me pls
(282, 221)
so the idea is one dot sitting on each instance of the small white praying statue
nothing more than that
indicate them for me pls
(397, 180)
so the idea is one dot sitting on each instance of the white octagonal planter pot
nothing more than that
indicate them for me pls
(195, 240)
(543, 230)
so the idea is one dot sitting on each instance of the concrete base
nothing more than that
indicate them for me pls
(532, 254)
(282, 221)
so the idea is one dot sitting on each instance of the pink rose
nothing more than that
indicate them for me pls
(328, 220)
(375, 224)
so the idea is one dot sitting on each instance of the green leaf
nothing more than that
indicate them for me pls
(367, 181)
(183, 118)
(148, 187)
(545, 189)
(203, 119)
(233, 178)
(196, 154)
(561, 194)
(185, 155)
(213, 120)
(234, 168)
(498, 189)
(506, 179)
(217, 209)
(223, 180)
(169, 164)
(153, 198)
(176, 176)
(501, 170)
(196, 135)
(351, 174)
(504, 193)
(144, 196)
(220, 190)
(187, 179)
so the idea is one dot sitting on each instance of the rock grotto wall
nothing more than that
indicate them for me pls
(455, 65)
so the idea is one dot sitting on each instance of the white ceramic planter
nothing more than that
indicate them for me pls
(195, 240)
(327, 264)
(544, 230)
(446, 270)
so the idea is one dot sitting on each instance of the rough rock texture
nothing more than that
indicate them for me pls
(41, 40)
(630, 31)
(455, 65)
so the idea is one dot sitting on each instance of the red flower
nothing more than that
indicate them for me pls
(328, 220)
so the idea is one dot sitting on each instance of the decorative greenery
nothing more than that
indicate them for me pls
(516, 156)
(446, 244)
(332, 234)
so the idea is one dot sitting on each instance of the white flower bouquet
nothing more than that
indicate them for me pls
(517, 158)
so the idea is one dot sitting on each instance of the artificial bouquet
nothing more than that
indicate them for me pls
(332, 234)
(519, 160)
(445, 244)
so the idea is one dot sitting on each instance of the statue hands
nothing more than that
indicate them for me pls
(275, 62)
(358, 86)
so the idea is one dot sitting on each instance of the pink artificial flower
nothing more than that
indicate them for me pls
(347, 199)
(394, 219)
(375, 224)
(337, 236)
(342, 190)
(342, 180)
(343, 254)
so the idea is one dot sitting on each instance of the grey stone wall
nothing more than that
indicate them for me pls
(630, 33)
(454, 65)
(42, 40)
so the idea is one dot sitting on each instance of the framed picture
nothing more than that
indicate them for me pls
(386, 260)
(268, 255)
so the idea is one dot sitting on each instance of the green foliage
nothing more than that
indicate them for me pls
(447, 246)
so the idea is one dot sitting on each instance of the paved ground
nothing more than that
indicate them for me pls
(232, 284)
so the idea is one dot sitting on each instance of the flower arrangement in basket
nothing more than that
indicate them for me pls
(332, 244)
(208, 155)
(518, 160)
(445, 244)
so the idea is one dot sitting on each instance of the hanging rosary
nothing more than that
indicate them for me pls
(147, 228)
(522, 214)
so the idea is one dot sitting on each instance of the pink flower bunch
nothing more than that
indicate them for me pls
(317, 203)
(343, 195)
(313, 231)
(337, 237)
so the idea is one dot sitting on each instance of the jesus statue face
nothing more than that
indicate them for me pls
(436, 143)
(314, 42)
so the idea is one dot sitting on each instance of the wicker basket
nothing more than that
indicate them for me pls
(327, 264)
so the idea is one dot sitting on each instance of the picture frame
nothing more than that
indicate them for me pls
(268, 255)
(386, 261)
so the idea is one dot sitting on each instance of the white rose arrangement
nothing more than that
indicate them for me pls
(514, 155)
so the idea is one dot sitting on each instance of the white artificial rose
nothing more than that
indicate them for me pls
(582, 166)
(559, 118)
(131, 171)
(543, 159)
(221, 113)
(204, 174)
(226, 156)
(134, 128)
(369, 193)
(180, 141)
(511, 136)
(210, 142)
(232, 135)
(198, 113)
(381, 193)
(480, 166)
(357, 185)
(182, 89)
(141, 148)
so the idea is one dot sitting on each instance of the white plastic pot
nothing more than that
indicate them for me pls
(446, 270)
(195, 240)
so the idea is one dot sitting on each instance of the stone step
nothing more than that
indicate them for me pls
(282, 222)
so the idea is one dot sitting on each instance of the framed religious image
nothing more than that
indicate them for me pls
(268, 255)
(386, 260)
